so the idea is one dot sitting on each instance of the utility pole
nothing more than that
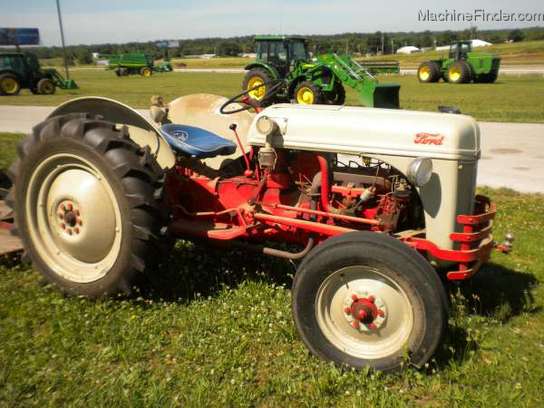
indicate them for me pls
(62, 40)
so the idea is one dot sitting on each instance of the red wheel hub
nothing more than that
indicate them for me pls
(364, 310)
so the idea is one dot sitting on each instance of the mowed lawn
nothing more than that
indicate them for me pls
(511, 99)
(214, 328)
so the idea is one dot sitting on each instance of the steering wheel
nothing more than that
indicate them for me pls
(249, 103)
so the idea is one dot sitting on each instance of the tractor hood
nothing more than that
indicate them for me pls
(357, 130)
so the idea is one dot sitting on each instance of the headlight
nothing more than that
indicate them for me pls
(266, 126)
(420, 171)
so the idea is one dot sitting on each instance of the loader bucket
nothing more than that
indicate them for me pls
(386, 96)
(69, 84)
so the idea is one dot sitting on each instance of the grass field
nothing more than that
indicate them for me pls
(515, 99)
(215, 329)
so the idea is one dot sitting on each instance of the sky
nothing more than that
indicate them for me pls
(118, 21)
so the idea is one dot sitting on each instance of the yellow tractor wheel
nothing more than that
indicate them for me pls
(9, 85)
(307, 93)
(146, 72)
(428, 72)
(257, 82)
(459, 73)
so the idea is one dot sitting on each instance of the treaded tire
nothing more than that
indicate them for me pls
(465, 73)
(396, 261)
(265, 77)
(45, 87)
(10, 77)
(487, 78)
(132, 173)
(432, 69)
(337, 96)
(317, 95)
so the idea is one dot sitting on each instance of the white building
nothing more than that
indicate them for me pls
(409, 49)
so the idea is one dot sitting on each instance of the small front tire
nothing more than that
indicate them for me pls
(45, 87)
(367, 300)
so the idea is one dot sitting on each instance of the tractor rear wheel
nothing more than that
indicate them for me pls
(253, 79)
(9, 85)
(307, 93)
(146, 72)
(367, 300)
(45, 87)
(85, 204)
(428, 72)
(459, 73)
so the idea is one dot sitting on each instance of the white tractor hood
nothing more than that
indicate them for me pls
(357, 130)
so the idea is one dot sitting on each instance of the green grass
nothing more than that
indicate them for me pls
(517, 99)
(215, 329)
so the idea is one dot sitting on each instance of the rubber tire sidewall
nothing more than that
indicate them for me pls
(418, 280)
(104, 285)
(40, 86)
(261, 73)
(435, 72)
(14, 78)
(466, 73)
(318, 95)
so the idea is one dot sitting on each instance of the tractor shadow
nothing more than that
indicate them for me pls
(496, 293)
(191, 270)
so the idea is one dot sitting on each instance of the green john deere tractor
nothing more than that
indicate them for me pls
(18, 70)
(462, 66)
(320, 80)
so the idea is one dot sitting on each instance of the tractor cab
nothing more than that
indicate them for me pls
(460, 50)
(281, 52)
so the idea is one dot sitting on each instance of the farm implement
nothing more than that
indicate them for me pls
(136, 64)
(312, 81)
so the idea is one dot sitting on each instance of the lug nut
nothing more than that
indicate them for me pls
(70, 206)
(371, 326)
(79, 222)
(77, 213)
(61, 216)
(63, 226)
(371, 299)
(381, 313)
(355, 324)
(76, 230)
(347, 310)
(69, 231)
(355, 297)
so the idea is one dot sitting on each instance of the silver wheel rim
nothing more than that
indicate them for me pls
(391, 330)
(73, 218)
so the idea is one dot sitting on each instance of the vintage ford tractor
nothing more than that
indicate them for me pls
(381, 204)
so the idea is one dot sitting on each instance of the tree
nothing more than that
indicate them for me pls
(228, 49)
(83, 56)
(516, 35)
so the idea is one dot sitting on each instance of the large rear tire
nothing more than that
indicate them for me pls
(85, 204)
(459, 73)
(253, 79)
(9, 85)
(367, 300)
(337, 96)
(428, 72)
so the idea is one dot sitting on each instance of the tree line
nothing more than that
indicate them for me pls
(353, 43)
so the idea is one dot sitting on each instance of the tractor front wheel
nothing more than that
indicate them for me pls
(146, 72)
(45, 87)
(9, 85)
(459, 73)
(308, 93)
(85, 204)
(367, 300)
(337, 96)
(428, 72)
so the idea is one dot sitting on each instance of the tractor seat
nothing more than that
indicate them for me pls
(196, 142)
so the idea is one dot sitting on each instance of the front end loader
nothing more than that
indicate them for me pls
(321, 80)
